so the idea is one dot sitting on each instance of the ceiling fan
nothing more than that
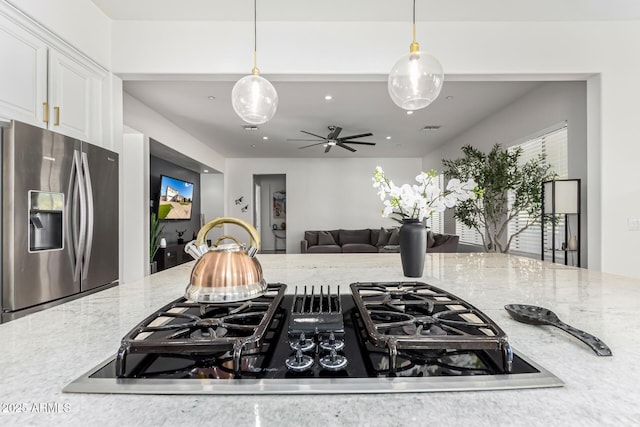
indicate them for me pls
(332, 139)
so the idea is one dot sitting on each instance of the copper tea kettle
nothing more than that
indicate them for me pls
(225, 272)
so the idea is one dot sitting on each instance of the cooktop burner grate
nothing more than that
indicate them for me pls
(418, 316)
(189, 328)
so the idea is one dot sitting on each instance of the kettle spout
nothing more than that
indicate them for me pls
(196, 251)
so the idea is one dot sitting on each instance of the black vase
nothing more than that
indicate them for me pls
(413, 246)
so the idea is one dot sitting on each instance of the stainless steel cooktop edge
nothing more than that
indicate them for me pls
(86, 384)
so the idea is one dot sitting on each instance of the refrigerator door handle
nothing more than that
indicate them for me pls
(82, 226)
(88, 214)
(73, 221)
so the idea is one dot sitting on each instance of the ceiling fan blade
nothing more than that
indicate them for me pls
(340, 144)
(358, 142)
(307, 146)
(313, 134)
(362, 135)
(334, 133)
(326, 150)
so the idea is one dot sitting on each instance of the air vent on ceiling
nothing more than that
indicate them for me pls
(431, 127)
(250, 127)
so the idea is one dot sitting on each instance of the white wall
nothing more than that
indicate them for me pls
(601, 52)
(134, 208)
(212, 200)
(80, 23)
(549, 104)
(138, 116)
(322, 194)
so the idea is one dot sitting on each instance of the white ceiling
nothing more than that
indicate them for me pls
(357, 107)
(371, 10)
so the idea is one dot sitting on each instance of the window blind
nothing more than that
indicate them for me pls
(554, 146)
(436, 221)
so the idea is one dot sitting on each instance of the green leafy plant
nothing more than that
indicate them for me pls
(497, 174)
(154, 236)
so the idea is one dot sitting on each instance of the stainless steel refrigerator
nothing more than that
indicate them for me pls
(59, 219)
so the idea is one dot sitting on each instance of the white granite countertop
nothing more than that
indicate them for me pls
(43, 352)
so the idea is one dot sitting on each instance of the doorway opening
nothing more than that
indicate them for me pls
(270, 213)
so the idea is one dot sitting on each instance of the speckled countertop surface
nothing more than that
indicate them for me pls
(43, 352)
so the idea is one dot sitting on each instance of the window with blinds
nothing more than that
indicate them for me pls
(468, 235)
(554, 146)
(435, 222)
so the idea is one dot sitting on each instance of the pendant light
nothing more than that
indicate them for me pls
(253, 97)
(416, 79)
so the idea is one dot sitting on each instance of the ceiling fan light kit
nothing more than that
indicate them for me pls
(415, 81)
(253, 97)
(333, 139)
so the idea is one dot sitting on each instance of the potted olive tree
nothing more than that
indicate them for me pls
(499, 174)
(154, 236)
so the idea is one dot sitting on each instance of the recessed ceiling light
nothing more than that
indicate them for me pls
(253, 145)
(328, 97)
(206, 170)
(409, 113)
(388, 137)
(265, 137)
(211, 97)
(250, 128)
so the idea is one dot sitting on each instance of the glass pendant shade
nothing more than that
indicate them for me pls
(415, 80)
(254, 99)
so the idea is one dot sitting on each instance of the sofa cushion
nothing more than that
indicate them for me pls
(325, 238)
(311, 237)
(358, 248)
(383, 237)
(394, 238)
(431, 240)
(441, 239)
(325, 249)
(355, 236)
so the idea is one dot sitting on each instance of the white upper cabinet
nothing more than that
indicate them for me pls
(23, 75)
(74, 98)
(42, 86)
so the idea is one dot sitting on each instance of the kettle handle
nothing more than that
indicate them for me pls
(253, 233)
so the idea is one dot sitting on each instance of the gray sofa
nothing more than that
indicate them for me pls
(369, 240)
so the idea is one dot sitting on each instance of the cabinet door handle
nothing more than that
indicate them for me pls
(56, 112)
(46, 112)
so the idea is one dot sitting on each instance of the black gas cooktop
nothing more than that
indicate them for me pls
(382, 337)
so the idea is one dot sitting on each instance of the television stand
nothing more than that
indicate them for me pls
(171, 256)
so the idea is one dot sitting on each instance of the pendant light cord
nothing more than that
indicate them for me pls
(414, 47)
(255, 39)
(414, 21)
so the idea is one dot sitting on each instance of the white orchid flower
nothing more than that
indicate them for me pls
(421, 200)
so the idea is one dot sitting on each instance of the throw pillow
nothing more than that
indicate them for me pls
(354, 236)
(325, 238)
(431, 240)
(394, 239)
(383, 237)
(311, 237)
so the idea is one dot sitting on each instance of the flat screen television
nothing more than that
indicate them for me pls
(176, 199)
